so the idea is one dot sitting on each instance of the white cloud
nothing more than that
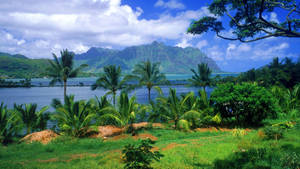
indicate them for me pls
(202, 44)
(171, 4)
(43, 27)
(215, 53)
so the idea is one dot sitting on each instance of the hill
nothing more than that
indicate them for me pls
(172, 59)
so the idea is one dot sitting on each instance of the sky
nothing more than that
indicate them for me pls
(38, 28)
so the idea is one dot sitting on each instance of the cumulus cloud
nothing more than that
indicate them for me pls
(40, 27)
(202, 44)
(171, 4)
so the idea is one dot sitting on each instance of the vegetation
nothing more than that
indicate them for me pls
(32, 119)
(73, 118)
(63, 68)
(244, 104)
(111, 80)
(148, 75)
(248, 19)
(201, 77)
(8, 124)
(21, 83)
(140, 156)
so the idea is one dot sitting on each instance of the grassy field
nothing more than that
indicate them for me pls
(180, 149)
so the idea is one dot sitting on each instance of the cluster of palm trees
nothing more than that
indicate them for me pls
(77, 118)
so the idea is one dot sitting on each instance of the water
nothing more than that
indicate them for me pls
(44, 95)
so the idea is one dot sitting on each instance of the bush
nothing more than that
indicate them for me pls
(140, 156)
(272, 132)
(247, 104)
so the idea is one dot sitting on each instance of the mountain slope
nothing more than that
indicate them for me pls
(172, 59)
(19, 66)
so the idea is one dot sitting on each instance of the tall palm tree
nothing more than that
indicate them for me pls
(125, 112)
(148, 75)
(202, 76)
(111, 80)
(63, 68)
(31, 118)
(73, 117)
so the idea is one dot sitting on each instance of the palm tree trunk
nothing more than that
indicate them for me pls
(28, 130)
(114, 99)
(149, 94)
(65, 89)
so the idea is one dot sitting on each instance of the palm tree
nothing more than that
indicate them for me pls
(148, 75)
(176, 109)
(202, 76)
(125, 112)
(63, 68)
(8, 124)
(73, 117)
(111, 80)
(31, 118)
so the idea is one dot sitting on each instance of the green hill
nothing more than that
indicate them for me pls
(172, 59)
(19, 66)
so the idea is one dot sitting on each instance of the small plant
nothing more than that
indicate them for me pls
(272, 132)
(284, 125)
(239, 132)
(290, 160)
(140, 156)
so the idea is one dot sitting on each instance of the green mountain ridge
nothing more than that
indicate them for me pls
(172, 59)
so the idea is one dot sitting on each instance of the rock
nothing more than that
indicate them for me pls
(43, 137)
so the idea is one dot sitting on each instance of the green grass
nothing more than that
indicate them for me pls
(180, 149)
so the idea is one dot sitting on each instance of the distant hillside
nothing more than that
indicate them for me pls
(19, 66)
(172, 59)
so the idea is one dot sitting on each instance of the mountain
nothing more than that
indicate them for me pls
(172, 59)
(19, 66)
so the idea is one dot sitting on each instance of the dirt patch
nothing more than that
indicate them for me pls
(48, 161)
(123, 136)
(211, 129)
(173, 145)
(145, 136)
(146, 125)
(71, 157)
(107, 131)
(43, 137)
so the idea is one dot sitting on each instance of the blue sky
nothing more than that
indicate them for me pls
(37, 28)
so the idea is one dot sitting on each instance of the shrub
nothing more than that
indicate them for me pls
(247, 104)
(273, 132)
(140, 156)
(239, 132)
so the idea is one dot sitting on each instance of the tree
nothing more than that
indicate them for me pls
(63, 68)
(176, 109)
(8, 124)
(125, 113)
(247, 104)
(140, 156)
(148, 75)
(202, 76)
(111, 80)
(248, 19)
(31, 118)
(73, 117)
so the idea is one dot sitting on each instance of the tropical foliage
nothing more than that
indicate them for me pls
(31, 118)
(74, 118)
(248, 19)
(201, 77)
(124, 113)
(8, 124)
(63, 68)
(244, 104)
(148, 74)
(111, 80)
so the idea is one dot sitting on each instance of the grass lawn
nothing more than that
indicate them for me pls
(180, 149)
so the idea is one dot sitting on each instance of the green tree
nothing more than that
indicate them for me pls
(8, 124)
(111, 80)
(248, 104)
(31, 118)
(248, 19)
(63, 68)
(140, 156)
(176, 109)
(201, 77)
(125, 113)
(74, 118)
(148, 75)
